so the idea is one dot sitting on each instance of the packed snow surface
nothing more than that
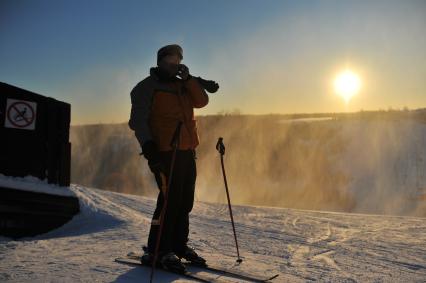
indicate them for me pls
(33, 184)
(301, 246)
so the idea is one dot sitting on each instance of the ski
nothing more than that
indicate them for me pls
(237, 274)
(223, 271)
(187, 274)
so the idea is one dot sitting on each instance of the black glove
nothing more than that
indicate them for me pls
(210, 86)
(183, 72)
(150, 152)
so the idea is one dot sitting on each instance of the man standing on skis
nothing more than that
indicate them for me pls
(160, 102)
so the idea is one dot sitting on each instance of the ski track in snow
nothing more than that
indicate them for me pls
(302, 246)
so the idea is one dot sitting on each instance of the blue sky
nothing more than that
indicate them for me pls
(268, 56)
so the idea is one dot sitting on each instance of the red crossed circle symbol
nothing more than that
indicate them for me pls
(24, 120)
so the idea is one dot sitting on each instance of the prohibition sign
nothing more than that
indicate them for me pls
(20, 114)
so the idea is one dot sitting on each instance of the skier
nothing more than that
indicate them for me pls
(159, 102)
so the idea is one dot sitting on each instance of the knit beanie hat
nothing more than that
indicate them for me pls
(169, 50)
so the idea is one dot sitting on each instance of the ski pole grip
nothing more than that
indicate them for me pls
(220, 146)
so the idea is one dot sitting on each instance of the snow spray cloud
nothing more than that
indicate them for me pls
(387, 161)
(272, 162)
(107, 157)
(367, 166)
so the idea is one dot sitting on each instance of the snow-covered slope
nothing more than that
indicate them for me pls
(301, 246)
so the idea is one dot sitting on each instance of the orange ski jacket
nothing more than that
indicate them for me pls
(158, 106)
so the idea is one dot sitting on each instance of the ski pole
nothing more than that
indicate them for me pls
(221, 148)
(174, 144)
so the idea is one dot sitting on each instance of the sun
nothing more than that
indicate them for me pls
(347, 84)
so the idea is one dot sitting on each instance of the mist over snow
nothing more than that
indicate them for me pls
(360, 165)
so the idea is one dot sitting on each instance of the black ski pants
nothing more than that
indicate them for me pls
(174, 236)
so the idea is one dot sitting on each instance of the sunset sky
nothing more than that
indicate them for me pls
(268, 56)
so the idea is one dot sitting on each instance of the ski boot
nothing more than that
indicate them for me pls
(147, 258)
(171, 262)
(190, 255)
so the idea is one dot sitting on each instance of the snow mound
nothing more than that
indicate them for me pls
(33, 184)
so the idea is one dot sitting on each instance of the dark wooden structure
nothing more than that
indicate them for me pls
(42, 152)
(26, 213)
(34, 141)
